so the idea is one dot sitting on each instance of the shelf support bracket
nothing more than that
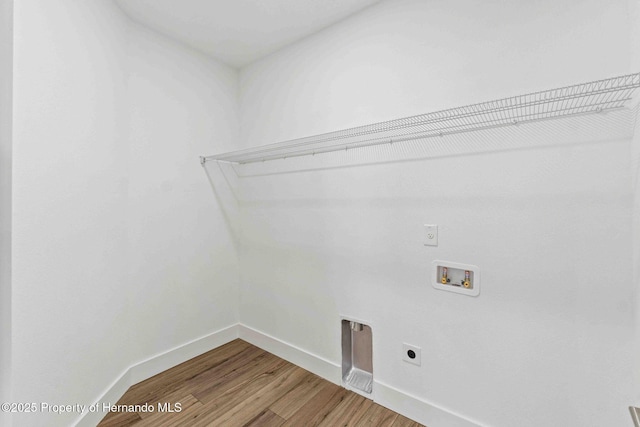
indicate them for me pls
(635, 415)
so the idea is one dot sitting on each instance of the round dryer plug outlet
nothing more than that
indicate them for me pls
(411, 354)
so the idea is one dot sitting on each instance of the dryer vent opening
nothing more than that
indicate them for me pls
(357, 357)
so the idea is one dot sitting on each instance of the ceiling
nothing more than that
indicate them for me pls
(239, 32)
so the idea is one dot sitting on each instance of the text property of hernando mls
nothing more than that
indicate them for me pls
(77, 408)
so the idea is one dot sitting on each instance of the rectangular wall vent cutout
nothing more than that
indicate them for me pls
(357, 357)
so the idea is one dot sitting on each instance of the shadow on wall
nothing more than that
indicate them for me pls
(225, 195)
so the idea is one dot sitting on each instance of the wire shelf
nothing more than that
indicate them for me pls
(586, 98)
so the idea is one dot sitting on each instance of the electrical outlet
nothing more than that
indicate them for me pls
(411, 354)
(431, 235)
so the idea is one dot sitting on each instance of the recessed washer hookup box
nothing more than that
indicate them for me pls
(456, 277)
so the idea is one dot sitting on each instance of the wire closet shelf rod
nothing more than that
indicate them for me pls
(593, 97)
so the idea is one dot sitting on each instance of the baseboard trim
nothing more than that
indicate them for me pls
(384, 394)
(417, 409)
(289, 352)
(163, 361)
(156, 364)
(113, 393)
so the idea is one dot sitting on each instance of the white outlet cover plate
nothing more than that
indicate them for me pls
(405, 354)
(430, 235)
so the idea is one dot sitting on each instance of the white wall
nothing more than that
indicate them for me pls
(182, 260)
(550, 339)
(70, 311)
(113, 260)
(406, 57)
(6, 65)
(634, 53)
(635, 159)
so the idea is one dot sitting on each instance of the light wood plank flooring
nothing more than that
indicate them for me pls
(239, 384)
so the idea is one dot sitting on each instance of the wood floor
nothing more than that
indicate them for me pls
(239, 384)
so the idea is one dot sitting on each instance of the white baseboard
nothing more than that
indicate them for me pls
(112, 395)
(156, 364)
(163, 361)
(299, 357)
(417, 409)
(385, 395)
